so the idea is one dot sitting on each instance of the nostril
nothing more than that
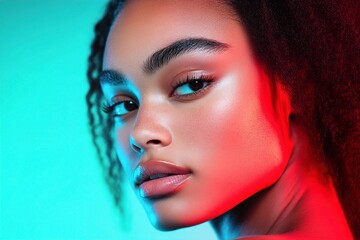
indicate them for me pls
(155, 141)
(136, 148)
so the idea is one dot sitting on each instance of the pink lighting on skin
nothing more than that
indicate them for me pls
(248, 167)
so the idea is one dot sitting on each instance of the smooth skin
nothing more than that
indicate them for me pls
(252, 169)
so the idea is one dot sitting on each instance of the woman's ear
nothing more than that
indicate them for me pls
(282, 102)
(284, 113)
(276, 102)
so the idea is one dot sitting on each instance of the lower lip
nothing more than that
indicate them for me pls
(162, 186)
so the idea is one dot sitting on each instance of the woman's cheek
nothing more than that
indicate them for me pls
(232, 148)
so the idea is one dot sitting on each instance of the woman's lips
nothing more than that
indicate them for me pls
(162, 186)
(158, 178)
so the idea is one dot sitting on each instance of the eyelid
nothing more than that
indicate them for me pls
(198, 76)
(184, 77)
(123, 97)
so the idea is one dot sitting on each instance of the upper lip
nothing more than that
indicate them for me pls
(153, 168)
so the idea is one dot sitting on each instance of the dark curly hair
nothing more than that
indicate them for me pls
(313, 48)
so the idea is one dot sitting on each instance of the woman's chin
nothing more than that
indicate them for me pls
(163, 224)
(173, 219)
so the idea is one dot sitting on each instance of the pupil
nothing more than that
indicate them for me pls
(196, 85)
(129, 105)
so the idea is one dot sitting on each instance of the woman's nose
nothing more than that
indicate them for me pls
(150, 131)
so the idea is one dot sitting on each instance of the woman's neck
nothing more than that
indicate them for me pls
(301, 204)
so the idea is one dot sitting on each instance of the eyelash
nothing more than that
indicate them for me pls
(203, 78)
(109, 108)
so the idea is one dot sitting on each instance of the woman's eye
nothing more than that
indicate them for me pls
(124, 107)
(190, 87)
(121, 108)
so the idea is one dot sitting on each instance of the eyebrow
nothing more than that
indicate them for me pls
(177, 48)
(164, 56)
(112, 77)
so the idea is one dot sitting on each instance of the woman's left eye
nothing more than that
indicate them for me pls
(191, 87)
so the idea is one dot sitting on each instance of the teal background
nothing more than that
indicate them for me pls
(51, 182)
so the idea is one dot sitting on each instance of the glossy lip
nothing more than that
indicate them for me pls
(156, 178)
(152, 168)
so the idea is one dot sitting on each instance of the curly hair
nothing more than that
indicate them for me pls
(313, 49)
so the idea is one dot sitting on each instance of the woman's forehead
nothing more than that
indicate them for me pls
(143, 27)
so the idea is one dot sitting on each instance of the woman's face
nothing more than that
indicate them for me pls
(191, 108)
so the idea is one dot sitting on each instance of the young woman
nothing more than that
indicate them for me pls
(241, 113)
